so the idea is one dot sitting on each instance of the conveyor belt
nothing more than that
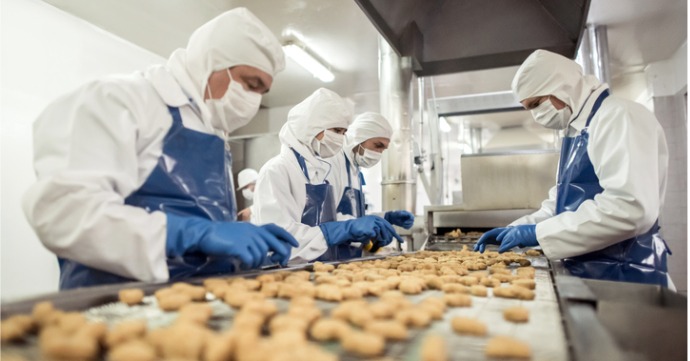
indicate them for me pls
(544, 332)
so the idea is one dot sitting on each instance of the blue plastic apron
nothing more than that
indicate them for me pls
(192, 178)
(352, 200)
(639, 259)
(319, 208)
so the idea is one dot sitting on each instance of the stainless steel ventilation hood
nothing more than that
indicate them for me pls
(450, 36)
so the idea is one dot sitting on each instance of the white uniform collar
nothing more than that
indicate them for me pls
(167, 87)
(580, 120)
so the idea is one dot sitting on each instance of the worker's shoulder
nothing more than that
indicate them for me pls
(118, 88)
(614, 104)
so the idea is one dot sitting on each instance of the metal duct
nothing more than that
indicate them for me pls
(399, 184)
(599, 46)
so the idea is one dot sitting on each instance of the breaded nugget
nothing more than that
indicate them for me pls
(516, 314)
(468, 326)
(434, 348)
(507, 347)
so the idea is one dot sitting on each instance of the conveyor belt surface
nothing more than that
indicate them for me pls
(544, 332)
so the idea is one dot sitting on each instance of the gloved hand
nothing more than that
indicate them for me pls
(250, 243)
(359, 230)
(519, 236)
(403, 219)
(489, 237)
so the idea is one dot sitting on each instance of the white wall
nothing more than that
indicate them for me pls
(668, 82)
(45, 52)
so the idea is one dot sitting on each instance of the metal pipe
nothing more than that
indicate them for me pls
(399, 182)
(599, 47)
(436, 156)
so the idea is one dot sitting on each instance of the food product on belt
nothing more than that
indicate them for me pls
(516, 314)
(433, 348)
(195, 312)
(16, 327)
(131, 296)
(124, 331)
(478, 290)
(364, 343)
(133, 350)
(533, 252)
(507, 347)
(329, 329)
(490, 282)
(468, 326)
(414, 317)
(458, 300)
(526, 283)
(322, 267)
(389, 329)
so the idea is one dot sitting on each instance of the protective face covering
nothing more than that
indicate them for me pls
(547, 115)
(329, 145)
(368, 159)
(248, 194)
(235, 109)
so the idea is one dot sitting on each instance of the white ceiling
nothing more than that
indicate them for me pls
(640, 32)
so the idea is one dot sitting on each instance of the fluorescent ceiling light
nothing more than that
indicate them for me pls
(308, 62)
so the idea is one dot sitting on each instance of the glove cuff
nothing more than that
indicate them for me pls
(184, 233)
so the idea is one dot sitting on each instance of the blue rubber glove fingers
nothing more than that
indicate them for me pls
(240, 239)
(400, 218)
(392, 233)
(519, 236)
(489, 237)
(280, 242)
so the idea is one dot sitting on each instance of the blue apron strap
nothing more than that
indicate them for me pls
(361, 180)
(596, 106)
(347, 167)
(302, 164)
(177, 118)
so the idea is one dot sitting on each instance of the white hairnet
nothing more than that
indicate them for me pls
(246, 177)
(323, 109)
(546, 73)
(366, 126)
(235, 37)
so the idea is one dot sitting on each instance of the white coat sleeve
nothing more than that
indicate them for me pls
(547, 210)
(626, 147)
(85, 157)
(276, 202)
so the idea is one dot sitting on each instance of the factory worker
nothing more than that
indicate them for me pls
(246, 182)
(293, 192)
(601, 218)
(133, 179)
(365, 141)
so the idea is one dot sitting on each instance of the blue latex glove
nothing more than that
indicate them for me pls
(249, 243)
(519, 236)
(360, 230)
(403, 219)
(489, 237)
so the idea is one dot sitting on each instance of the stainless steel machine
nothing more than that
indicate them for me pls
(497, 189)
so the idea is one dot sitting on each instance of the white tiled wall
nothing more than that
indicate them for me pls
(671, 112)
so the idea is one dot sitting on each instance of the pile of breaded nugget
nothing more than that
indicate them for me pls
(259, 332)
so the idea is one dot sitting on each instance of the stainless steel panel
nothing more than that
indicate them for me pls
(455, 217)
(507, 180)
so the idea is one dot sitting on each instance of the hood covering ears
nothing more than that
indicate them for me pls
(366, 126)
(546, 73)
(323, 109)
(235, 37)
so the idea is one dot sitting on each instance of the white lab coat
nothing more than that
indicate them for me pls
(628, 150)
(92, 149)
(280, 197)
(280, 194)
(338, 178)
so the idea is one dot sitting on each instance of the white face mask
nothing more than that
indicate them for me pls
(547, 115)
(248, 194)
(329, 145)
(368, 159)
(235, 109)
